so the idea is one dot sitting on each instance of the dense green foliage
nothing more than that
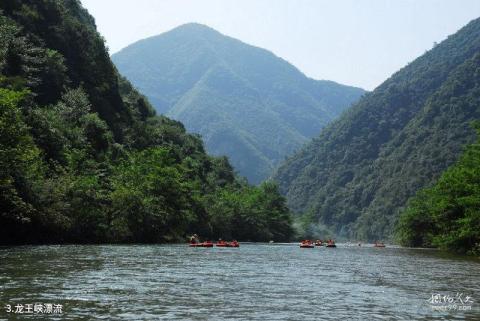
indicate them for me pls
(246, 103)
(83, 158)
(358, 175)
(447, 215)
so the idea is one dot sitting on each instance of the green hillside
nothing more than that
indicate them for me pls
(244, 101)
(447, 214)
(83, 158)
(356, 177)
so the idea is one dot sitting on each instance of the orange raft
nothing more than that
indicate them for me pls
(306, 244)
(202, 244)
(227, 244)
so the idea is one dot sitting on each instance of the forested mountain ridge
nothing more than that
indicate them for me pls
(244, 101)
(83, 158)
(356, 177)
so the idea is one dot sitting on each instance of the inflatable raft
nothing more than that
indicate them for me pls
(228, 244)
(306, 245)
(203, 244)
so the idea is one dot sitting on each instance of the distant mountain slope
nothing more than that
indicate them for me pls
(360, 172)
(245, 102)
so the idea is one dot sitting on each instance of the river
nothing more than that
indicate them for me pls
(253, 282)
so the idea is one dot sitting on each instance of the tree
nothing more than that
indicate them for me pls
(18, 165)
(447, 215)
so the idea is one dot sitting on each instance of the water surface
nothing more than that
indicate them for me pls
(253, 282)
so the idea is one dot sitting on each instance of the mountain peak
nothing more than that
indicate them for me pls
(193, 30)
(193, 26)
(240, 98)
(246, 102)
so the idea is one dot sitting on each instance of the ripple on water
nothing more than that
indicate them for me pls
(253, 282)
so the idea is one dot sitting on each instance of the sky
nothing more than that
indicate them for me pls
(353, 42)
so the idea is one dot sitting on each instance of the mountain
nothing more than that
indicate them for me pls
(84, 158)
(356, 177)
(244, 101)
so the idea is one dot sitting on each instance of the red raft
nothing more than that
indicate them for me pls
(202, 244)
(228, 244)
(330, 243)
(307, 244)
(378, 244)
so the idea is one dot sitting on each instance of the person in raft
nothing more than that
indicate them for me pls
(194, 239)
